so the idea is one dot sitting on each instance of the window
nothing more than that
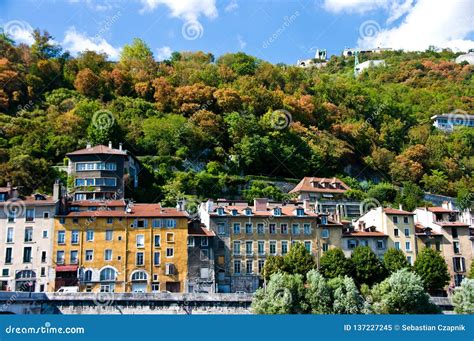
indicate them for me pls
(169, 269)
(248, 211)
(8, 255)
(249, 266)
(325, 233)
(307, 245)
(139, 258)
(10, 235)
(140, 223)
(395, 219)
(169, 252)
(299, 212)
(459, 264)
(89, 255)
(109, 234)
(155, 287)
(307, 229)
(156, 258)
(409, 260)
(204, 241)
(61, 237)
(140, 240)
(90, 235)
(220, 228)
(405, 220)
(45, 234)
(170, 237)
(325, 247)
(43, 272)
(43, 256)
(45, 215)
(456, 248)
(220, 211)
(139, 276)
(397, 245)
(110, 220)
(74, 257)
(261, 247)
(12, 215)
(5, 272)
(108, 254)
(260, 229)
(380, 244)
(75, 237)
(236, 228)
(88, 276)
(27, 254)
(237, 266)
(30, 214)
(396, 232)
(273, 248)
(28, 234)
(408, 246)
(277, 211)
(236, 248)
(272, 228)
(438, 246)
(170, 223)
(261, 264)
(156, 223)
(295, 229)
(351, 244)
(364, 242)
(284, 247)
(60, 257)
(62, 220)
(234, 212)
(248, 228)
(324, 220)
(284, 228)
(249, 248)
(204, 254)
(454, 232)
(108, 275)
(407, 232)
(157, 240)
(75, 220)
(190, 241)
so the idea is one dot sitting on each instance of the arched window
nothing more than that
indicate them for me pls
(88, 276)
(139, 276)
(25, 274)
(108, 275)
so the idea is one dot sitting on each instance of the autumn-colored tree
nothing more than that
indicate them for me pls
(88, 83)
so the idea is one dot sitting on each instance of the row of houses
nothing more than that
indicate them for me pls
(89, 237)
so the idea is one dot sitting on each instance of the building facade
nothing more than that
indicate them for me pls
(364, 236)
(247, 235)
(101, 172)
(448, 122)
(26, 225)
(112, 246)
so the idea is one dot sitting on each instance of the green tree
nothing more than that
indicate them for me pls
(137, 58)
(411, 196)
(240, 63)
(263, 189)
(463, 298)
(334, 263)
(43, 46)
(284, 294)
(367, 268)
(402, 293)
(299, 260)
(394, 260)
(273, 264)
(432, 269)
(384, 192)
(437, 182)
(345, 296)
(318, 294)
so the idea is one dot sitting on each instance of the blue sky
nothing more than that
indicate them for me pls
(277, 31)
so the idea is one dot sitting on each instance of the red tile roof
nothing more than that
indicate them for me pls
(30, 200)
(364, 234)
(91, 203)
(306, 185)
(99, 149)
(285, 211)
(389, 210)
(200, 232)
(421, 230)
(439, 210)
(137, 211)
(451, 223)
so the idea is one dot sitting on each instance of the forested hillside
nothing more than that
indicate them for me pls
(204, 125)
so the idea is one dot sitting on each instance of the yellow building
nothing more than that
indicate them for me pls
(111, 247)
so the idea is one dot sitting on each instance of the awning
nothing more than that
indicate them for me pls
(65, 268)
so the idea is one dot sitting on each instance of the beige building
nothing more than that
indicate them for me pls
(455, 238)
(398, 225)
(26, 225)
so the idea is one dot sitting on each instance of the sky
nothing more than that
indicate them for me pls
(273, 30)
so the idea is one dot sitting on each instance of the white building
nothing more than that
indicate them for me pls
(348, 52)
(26, 225)
(467, 57)
(457, 118)
(319, 60)
(359, 68)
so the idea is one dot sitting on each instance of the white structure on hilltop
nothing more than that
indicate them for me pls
(359, 68)
(467, 57)
(319, 60)
(349, 52)
(457, 118)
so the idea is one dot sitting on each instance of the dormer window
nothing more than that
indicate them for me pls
(234, 212)
(299, 212)
(324, 220)
(277, 211)
(220, 211)
(248, 211)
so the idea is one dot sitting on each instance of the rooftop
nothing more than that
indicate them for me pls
(99, 149)
(393, 211)
(320, 185)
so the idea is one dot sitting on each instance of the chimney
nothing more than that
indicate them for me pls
(209, 205)
(181, 204)
(88, 145)
(260, 204)
(56, 190)
(400, 207)
(120, 146)
(110, 144)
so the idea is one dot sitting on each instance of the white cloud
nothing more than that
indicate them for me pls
(358, 6)
(163, 53)
(444, 24)
(242, 42)
(189, 10)
(231, 6)
(20, 31)
(76, 42)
